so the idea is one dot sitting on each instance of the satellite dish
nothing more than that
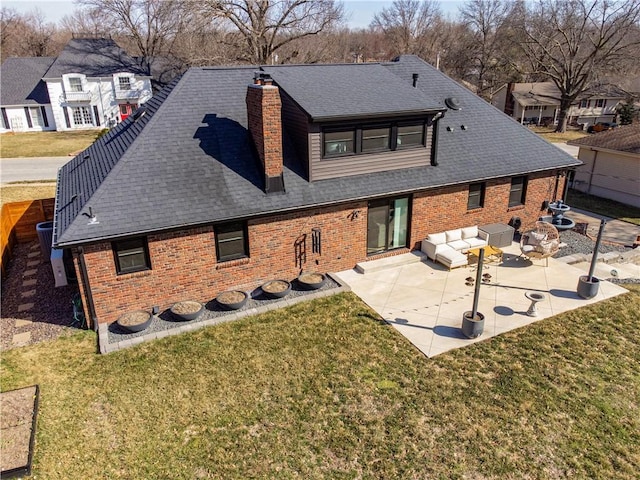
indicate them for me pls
(452, 103)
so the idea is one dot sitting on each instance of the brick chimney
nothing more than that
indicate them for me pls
(265, 125)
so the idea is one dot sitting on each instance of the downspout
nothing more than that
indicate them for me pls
(87, 289)
(434, 141)
(593, 167)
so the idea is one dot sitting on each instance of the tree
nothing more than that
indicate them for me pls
(627, 112)
(259, 28)
(28, 34)
(572, 42)
(409, 27)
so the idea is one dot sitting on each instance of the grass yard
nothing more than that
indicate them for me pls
(604, 206)
(20, 192)
(324, 389)
(45, 144)
(550, 135)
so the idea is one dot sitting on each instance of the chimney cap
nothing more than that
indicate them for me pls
(262, 78)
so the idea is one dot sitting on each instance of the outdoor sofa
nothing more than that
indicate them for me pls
(449, 248)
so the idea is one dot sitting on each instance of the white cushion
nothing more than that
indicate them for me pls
(458, 245)
(476, 242)
(437, 238)
(469, 232)
(452, 258)
(535, 238)
(453, 235)
(528, 248)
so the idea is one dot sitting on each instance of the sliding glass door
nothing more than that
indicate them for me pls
(387, 224)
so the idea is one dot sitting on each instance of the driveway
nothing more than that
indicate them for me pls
(30, 169)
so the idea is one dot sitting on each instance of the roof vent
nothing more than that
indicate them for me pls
(415, 77)
(452, 103)
(463, 127)
(138, 114)
(449, 129)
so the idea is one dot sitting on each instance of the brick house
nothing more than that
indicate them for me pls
(232, 176)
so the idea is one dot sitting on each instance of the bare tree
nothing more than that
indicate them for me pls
(572, 42)
(408, 26)
(152, 26)
(259, 28)
(27, 34)
(486, 20)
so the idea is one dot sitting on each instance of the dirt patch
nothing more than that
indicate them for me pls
(33, 309)
(17, 422)
(186, 307)
(276, 286)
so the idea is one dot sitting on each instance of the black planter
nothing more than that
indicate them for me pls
(276, 294)
(185, 317)
(472, 327)
(136, 327)
(234, 305)
(588, 288)
(307, 285)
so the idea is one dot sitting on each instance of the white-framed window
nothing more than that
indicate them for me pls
(36, 116)
(124, 83)
(81, 116)
(600, 102)
(75, 84)
(583, 103)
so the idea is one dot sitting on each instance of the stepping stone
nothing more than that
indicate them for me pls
(29, 283)
(33, 254)
(28, 273)
(28, 293)
(25, 306)
(33, 263)
(21, 338)
(23, 322)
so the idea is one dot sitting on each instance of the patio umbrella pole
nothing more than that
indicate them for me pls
(476, 293)
(594, 258)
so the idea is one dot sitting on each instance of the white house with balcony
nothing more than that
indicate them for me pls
(538, 103)
(93, 83)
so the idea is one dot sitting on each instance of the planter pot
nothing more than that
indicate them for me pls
(232, 300)
(135, 321)
(311, 281)
(588, 288)
(472, 327)
(276, 288)
(187, 310)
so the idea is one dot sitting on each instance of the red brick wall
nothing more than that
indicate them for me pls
(264, 110)
(184, 262)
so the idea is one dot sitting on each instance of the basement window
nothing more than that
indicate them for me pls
(131, 255)
(231, 241)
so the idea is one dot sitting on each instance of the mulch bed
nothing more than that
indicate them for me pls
(17, 427)
(52, 311)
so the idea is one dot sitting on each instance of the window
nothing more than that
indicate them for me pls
(81, 116)
(131, 255)
(75, 84)
(476, 196)
(518, 191)
(372, 138)
(231, 241)
(583, 104)
(124, 83)
(600, 103)
(410, 136)
(36, 116)
(339, 143)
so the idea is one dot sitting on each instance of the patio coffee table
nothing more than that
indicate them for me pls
(491, 254)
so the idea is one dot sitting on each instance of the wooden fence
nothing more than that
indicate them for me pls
(19, 221)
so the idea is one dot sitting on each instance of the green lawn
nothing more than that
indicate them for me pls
(604, 206)
(324, 389)
(45, 144)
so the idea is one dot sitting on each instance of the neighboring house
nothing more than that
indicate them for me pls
(24, 99)
(93, 83)
(237, 175)
(539, 104)
(611, 164)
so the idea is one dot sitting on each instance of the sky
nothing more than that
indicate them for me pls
(360, 12)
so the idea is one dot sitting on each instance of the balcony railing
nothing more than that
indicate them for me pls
(131, 94)
(77, 96)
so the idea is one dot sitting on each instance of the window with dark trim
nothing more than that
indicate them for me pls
(600, 102)
(124, 83)
(363, 139)
(583, 104)
(518, 191)
(131, 255)
(231, 241)
(476, 196)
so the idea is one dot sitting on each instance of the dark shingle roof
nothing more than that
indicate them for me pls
(621, 139)
(328, 92)
(94, 57)
(22, 81)
(192, 163)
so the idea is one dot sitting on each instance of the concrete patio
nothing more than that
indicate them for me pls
(425, 302)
